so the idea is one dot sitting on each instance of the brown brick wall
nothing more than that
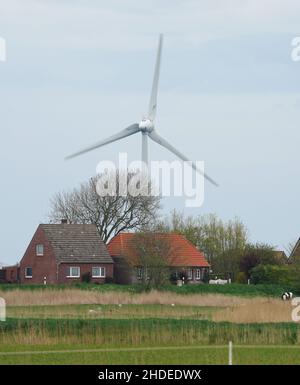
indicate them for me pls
(11, 274)
(42, 266)
(84, 268)
(126, 274)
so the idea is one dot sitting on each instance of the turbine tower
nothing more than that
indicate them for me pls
(146, 126)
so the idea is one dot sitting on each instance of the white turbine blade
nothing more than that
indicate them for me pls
(145, 148)
(153, 98)
(158, 139)
(133, 129)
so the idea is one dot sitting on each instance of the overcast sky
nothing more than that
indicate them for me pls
(78, 71)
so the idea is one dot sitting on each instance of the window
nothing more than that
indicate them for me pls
(73, 272)
(198, 274)
(39, 249)
(28, 272)
(190, 274)
(139, 273)
(98, 272)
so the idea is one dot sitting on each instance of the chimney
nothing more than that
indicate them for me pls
(64, 221)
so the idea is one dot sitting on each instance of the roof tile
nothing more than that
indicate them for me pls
(77, 243)
(184, 253)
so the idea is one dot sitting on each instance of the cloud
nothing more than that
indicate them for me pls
(80, 70)
(119, 25)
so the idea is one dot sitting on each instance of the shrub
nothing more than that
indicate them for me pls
(257, 254)
(86, 277)
(206, 276)
(173, 277)
(241, 277)
(279, 275)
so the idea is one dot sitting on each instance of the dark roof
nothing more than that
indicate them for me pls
(280, 255)
(76, 243)
(182, 253)
(296, 250)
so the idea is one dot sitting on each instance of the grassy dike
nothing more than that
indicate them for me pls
(230, 289)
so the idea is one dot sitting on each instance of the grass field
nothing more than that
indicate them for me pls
(99, 326)
(203, 355)
(111, 311)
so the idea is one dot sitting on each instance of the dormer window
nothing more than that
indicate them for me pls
(39, 249)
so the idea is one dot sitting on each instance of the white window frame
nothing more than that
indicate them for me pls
(36, 249)
(102, 272)
(25, 272)
(198, 274)
(190, 274)
(70, 272)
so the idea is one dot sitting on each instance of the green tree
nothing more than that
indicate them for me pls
(257, 254)
(287, 275)
(152, 252)
(222, 242)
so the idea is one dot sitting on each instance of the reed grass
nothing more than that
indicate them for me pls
(256, 310)
(74, 296)
(144, 332)
(111, 311)
(58, 304)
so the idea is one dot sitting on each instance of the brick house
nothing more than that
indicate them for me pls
(2, 273)
(65, 253)
(184, 257)
(295, 253)
(9, 274)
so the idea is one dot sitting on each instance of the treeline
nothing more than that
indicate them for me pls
(229, 251)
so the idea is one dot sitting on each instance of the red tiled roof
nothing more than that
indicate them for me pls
(184, 253)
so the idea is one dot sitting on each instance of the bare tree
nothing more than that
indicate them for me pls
(289, 248)
(111, 214)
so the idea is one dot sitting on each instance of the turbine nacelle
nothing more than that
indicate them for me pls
(146, 125)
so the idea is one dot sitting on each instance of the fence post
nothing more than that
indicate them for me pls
(230, 353)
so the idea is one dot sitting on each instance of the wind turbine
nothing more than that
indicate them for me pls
(146, 126)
